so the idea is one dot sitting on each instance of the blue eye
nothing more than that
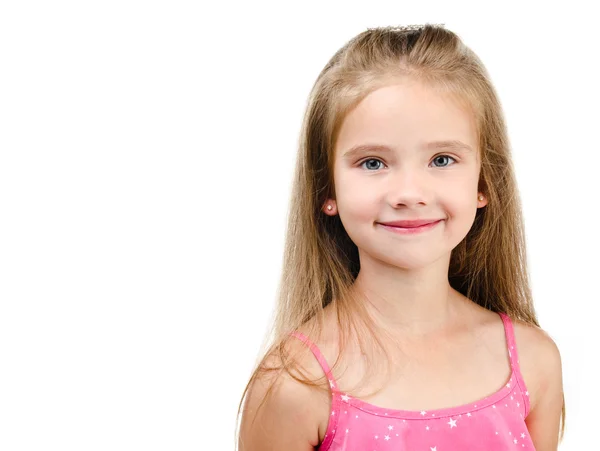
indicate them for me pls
(437, 158)
(370, 159)
(446, 156)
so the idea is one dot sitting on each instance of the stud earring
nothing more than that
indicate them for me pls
(480, 197)
(329, 207)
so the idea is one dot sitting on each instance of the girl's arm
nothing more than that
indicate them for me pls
(285, 421)
(543, 420)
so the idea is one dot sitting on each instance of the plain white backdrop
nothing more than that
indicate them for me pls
(146, 155)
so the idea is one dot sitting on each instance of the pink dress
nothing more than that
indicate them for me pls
(496, 422)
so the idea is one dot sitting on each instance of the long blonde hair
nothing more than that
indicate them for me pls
(489, 266)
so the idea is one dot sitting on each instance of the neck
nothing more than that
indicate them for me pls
(416, 305)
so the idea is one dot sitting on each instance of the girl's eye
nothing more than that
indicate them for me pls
(371, 159)
(444, 156)
(438, 158)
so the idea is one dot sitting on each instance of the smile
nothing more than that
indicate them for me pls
(410, 230)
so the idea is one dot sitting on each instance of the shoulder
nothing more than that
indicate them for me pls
(539, 359)
(541, 368)
(281, 412)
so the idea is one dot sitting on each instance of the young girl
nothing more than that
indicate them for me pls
(405, 319)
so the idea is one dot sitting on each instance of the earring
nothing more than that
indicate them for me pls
(480, 197)
(329, 207)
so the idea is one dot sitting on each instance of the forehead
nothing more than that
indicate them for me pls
(406, 115)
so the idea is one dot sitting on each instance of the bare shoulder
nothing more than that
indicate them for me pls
(539, 359)
(541, 367)
(281, 412)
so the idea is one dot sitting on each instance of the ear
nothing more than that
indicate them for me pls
(329, 207)
(481, 203)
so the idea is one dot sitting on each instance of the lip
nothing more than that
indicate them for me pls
(410, 230)
(410, 223)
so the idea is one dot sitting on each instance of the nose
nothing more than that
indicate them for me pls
(409, 186)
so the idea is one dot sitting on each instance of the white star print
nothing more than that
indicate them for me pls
(527, 393)
(387, 437)
(427, 427)
(515, 440)
(452, 423)
(376, 437)
(518, 404)
(469, 414)
(331, 383)
(423, 412)
(390, 427)
(508, 385)
(345, 397)
(434, 448)
(522, 435)
(347, 430)
(494, 406)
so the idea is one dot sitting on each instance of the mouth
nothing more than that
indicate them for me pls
(410, 229)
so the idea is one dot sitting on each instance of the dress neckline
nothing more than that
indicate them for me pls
(482, 403)
(479, 404)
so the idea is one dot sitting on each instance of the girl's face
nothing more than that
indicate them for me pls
(387, 167)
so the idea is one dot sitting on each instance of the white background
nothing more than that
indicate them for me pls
(146, 157)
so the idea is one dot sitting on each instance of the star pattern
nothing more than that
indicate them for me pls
(363, 426)
(433, 418)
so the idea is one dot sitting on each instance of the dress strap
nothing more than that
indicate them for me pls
(514, 359)
(335, 410)
(319, 356)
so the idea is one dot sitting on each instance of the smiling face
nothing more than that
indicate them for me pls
(405, 153)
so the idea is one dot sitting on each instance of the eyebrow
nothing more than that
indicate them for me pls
(433, 145)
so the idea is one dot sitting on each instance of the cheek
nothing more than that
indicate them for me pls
(357, 209)
(355, 201)
(460, 193)
(461, 208)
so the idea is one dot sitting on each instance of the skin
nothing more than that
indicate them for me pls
(405, 278)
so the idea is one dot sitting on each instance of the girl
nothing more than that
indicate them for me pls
(405, 319)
